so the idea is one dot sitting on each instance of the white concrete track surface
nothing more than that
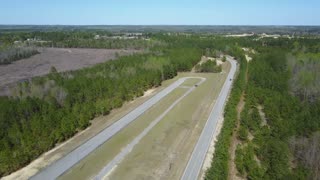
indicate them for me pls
(198, 155)
(65, 163)
(130, 146)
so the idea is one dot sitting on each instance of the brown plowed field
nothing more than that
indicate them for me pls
(63, 59)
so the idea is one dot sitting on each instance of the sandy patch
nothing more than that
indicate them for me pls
(239, 35)
(262, 115)
(148, 92)
(248, 51)
(248, 58)
(210, 153)
(233, 172)
(218, 60)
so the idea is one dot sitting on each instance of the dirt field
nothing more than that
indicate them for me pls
(63, 59)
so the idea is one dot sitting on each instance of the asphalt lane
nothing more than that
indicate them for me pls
(60, 166)
(196, 160)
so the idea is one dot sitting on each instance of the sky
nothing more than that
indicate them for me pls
(161, 12)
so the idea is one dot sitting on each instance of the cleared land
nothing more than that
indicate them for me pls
(164, 152)
(63, 59)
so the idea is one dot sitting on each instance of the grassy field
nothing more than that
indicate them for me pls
(163, 152)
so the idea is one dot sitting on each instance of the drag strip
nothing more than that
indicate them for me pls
(130, 146)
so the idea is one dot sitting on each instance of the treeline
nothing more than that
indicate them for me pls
(55, 36)
(76, 39)
(10, 54)
(100, 43)
(50, 109)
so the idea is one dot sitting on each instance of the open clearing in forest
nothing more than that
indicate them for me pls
(165, 150)
(63, 59)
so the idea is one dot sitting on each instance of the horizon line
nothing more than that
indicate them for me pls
(297, 25)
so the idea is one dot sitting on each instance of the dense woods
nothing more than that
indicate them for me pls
(283, 84)
(266, 154)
